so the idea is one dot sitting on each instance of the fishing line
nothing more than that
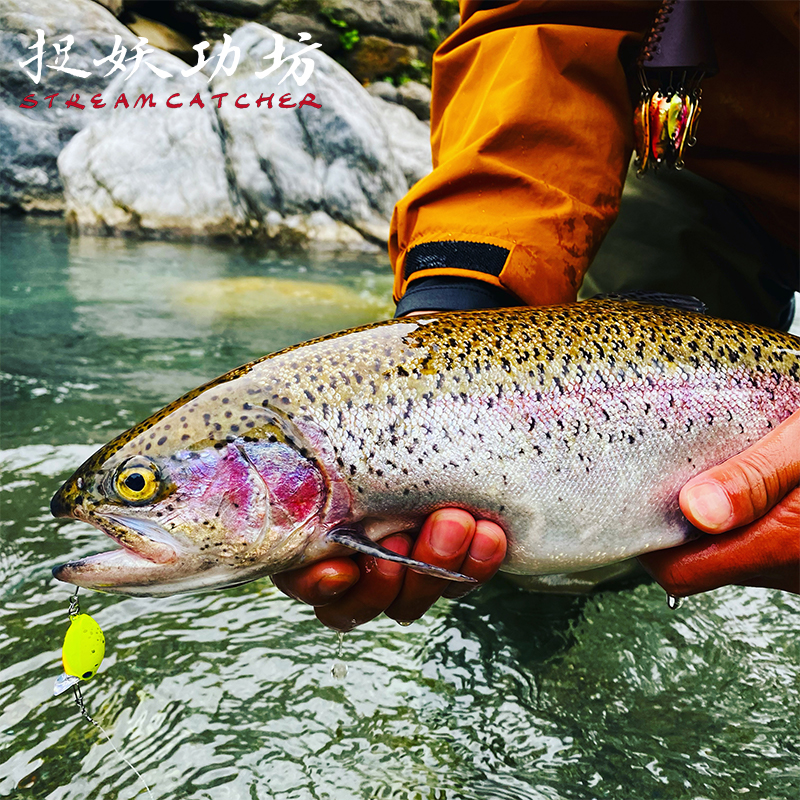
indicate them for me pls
(82, 653)
(85, 714)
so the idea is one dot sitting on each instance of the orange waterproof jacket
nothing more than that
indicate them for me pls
(531, 128)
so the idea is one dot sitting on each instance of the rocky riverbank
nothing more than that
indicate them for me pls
(138, 141)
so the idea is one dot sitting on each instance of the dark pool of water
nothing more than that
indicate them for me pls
(228, 696)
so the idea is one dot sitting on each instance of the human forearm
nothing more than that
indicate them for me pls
(531, 133)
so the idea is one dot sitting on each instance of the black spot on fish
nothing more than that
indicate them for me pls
(162, 440)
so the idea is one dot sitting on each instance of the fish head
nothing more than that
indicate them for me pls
(204, 509)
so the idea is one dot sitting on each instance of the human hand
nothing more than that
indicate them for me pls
(347, 592)
(752, 504)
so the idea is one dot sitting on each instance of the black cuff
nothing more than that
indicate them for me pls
(452, 294)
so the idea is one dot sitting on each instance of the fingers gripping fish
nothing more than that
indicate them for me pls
(573, 427)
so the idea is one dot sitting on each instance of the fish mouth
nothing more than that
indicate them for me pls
(146, 554)
(150, 563)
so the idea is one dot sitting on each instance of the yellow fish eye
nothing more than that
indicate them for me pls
(137, 480)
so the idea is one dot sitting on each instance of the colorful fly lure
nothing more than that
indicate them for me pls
(676, 54)
(664, 124)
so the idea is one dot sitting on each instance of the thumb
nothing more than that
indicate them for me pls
(747, 486)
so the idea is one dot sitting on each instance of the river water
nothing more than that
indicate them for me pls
(229, 696)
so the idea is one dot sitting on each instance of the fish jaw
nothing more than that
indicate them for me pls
(118, 571)
(154, 563)
(124, 572)
(147, 550)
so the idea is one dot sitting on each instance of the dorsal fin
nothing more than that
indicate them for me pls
(684, 302)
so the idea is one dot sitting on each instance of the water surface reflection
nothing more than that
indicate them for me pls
(229, 696)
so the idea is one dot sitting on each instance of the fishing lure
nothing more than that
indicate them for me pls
(83, 650)
(676, 55)
(664, 124)
(82, 653)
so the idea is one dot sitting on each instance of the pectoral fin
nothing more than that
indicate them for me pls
(354, 538)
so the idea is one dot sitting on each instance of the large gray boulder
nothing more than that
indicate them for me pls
(32, 138)
(417, 97)
(152, 170)
(337, 159)
(293, 175)
(399, 20)
(409, 139)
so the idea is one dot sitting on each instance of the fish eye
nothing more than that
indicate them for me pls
(137, 480)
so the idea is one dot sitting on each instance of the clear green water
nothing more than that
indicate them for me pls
(229, 696)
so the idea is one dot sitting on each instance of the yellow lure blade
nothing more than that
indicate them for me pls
(84, 647)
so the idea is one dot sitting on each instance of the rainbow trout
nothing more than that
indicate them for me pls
(574, 427)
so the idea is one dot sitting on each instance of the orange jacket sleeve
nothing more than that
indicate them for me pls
(531, 129)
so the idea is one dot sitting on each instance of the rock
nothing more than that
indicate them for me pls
(258, 296)
(416, 97)
(288, 175)
(291, 176)
(163, 37)
(385, 90)
(374, 57)
(242, 8)
(28, 174)
(114, 6)
(152, 171)
(291, 24)
(450, 25)
(399, 20)
(337, 159)
(409, 138)
(32, 138)
(210, 24)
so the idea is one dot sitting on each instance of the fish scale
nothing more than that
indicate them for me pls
(574, 427)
